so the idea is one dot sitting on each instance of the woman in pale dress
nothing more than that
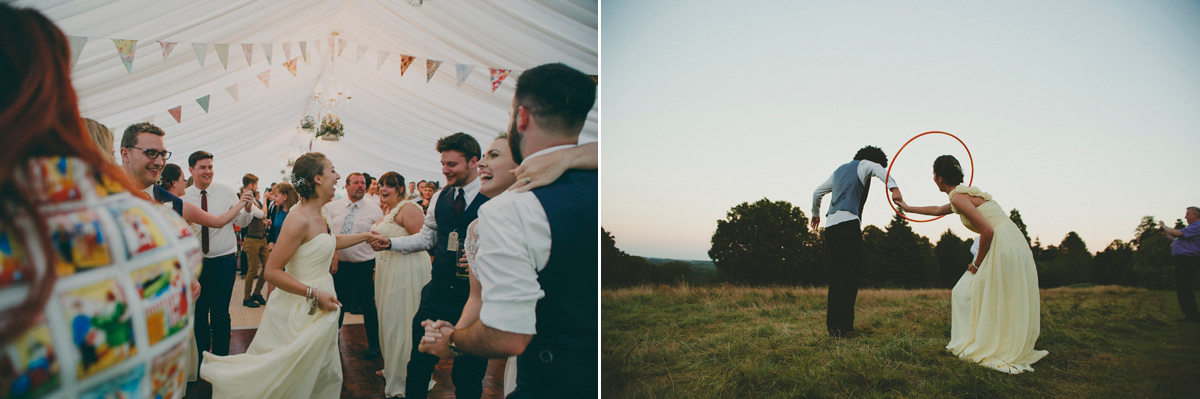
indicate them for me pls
(499, 172)
(995, 307)
(294, 354)
(398, 281)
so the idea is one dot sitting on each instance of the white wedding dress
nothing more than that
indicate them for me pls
(293, 354)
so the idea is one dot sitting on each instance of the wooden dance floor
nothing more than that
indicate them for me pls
(359, 380)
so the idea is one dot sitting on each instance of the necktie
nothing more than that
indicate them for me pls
(204, 230)
(459, 204)
(348, 224)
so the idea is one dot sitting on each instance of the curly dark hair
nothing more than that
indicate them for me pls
(306, 167)
(948, 168)
(873, 154)
(461, 142)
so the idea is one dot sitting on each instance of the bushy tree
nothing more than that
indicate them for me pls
(953, 255)
(767, 242)
(898, 257)
(619, 269)
(1015, 216)
(1114, 265)
(1152, 256)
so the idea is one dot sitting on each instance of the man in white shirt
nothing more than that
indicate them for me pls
(143, 155)
(849, 184)
(537, 259)
(219, 246)
(356, 265)
(444, 231)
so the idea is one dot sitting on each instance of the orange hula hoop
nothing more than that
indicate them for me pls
(887, 193)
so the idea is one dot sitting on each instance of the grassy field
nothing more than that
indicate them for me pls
(738, 342)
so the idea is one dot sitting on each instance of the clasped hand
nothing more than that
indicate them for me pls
(435, 341)
(379, 242)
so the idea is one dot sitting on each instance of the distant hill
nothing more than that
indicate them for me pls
(702, 268)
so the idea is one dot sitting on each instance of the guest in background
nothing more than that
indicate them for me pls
(411, 194)
(356, 264)
(426, 196)
(372, 189)
(102, 137)
(285, 198)
(1185, 252)
(255, 245)
(172, 180)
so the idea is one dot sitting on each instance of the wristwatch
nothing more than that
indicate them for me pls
(454, 350)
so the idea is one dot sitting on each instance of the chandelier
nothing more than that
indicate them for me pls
(329, 94)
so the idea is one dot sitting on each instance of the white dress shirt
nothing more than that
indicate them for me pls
(427, 237)
(866, 170)
(221, 241)
(366, 213)
(514, 245)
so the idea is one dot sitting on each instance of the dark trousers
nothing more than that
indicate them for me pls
(212, 308)
(1185, 275)
(845, 267)
(357, 288)
(467, 373)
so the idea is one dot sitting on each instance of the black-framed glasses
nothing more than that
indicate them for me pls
(153, 153)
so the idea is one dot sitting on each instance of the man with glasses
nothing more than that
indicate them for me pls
(143, 156)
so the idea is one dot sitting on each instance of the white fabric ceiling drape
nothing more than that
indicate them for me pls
(393, 121)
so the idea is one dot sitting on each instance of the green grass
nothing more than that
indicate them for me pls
(739, 342)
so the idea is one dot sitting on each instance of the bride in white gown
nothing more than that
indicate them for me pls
(294, 354)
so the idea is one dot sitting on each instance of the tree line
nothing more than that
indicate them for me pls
(770, 243)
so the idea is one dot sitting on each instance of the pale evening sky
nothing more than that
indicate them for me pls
(1083, 115)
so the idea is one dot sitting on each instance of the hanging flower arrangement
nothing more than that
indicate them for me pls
(308, 123)
(331, 127)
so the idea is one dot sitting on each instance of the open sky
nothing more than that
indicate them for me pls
(1082, 115)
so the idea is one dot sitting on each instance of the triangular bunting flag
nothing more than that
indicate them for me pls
(463, 70)
(249, 50)
(177, 113)
(223, 54)
(233, 91)
(291, 66)
(203, 101)
(304, 50)
(77, 43)
(167, 47)
(201, 50)
(149, 119)
(361, 50)
(265, 77)
(498, 76)
(431, 66)
(381, 56)
(125, 49)
(267, 50)
(287, 50)
(341, 46)
(405, 61)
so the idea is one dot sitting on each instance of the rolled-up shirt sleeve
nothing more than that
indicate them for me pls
(514, 245)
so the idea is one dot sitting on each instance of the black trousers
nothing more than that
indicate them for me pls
(212, 308)
(845, 269)
(355, 286)
(1185, 275)
(467, 373)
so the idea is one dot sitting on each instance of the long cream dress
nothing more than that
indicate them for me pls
(398, 282)
(294, 354)
(996, 312)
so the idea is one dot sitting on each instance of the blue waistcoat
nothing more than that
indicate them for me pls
(849, 193)
(445, 289)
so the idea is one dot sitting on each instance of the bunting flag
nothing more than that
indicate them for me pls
(149, 119)
(249, 50)
(382, 56)
(223, 54)
(177, 113)
(204, 102)
(77, 43)
(125, 49)
(291, 66)
(267, 50)
(431, 66)
(498, 76)
(341, 46)
(304, 50)
(265, 77)
(405, 61)
(167, 47)
(201, 50)
(287, 50)
(233, 91)
(463, 70)
(361, 50)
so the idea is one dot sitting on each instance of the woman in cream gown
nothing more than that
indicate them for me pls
(398, 282)
(995, 306)
(294, 354)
